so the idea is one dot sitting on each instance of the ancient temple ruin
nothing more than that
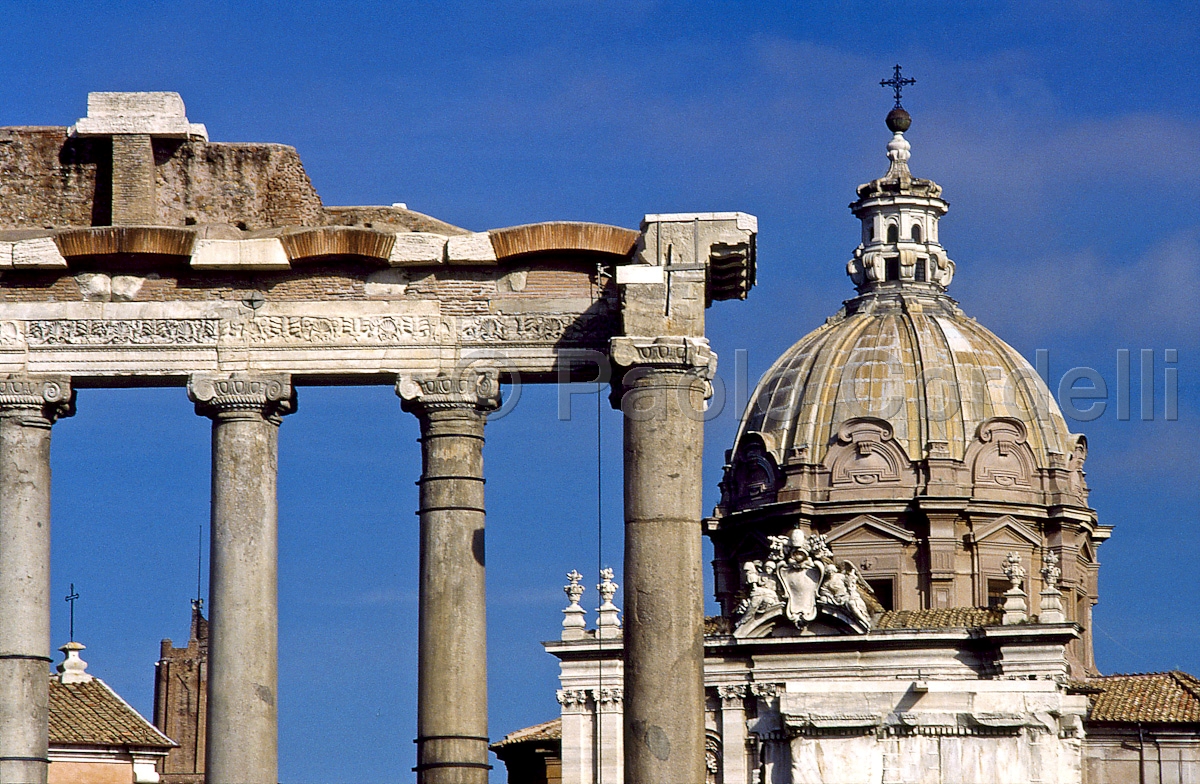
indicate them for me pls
(135, 251)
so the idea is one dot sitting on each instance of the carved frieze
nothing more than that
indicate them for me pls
(384, 330)
(570, 328)
(113, 332)
(313, 330)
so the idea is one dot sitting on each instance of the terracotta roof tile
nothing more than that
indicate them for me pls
(92, 714)
(1155, 697)
(949, 618)
(546, 731)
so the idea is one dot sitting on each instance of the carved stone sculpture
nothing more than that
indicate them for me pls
(800, 580)
(574, 623)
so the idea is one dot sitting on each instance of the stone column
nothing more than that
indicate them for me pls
(29, 405)
(452, 718)
(242, 726)
(662, 394)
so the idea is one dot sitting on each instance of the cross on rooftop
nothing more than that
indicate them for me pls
(70, 599)
(897, 83)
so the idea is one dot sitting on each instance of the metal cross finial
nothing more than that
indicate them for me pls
(70, 599)
(896, 83)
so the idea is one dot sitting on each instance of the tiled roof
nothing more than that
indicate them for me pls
(1156, 697)
(949, 618)
(92, 714)
(546, 731)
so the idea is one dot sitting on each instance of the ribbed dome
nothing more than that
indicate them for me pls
(912, 359)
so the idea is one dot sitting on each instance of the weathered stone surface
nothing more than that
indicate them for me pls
(146, 113)
(662, 397)
(242, 727)
(28, 407)
(452, 722)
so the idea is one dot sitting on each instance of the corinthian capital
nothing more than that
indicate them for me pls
(45, 398)
(241, 394)
(467, 388)
(680, 353)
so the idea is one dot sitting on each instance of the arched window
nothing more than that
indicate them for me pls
(893, 233)
(916, 233)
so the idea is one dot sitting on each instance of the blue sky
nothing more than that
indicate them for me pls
(1066, 136)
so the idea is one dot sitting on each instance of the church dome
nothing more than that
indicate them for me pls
(899, 376)
(911, 359)
(904, 450)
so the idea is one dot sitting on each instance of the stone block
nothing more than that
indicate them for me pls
(38, 252)
(159, 114)
(419, 247)
(265, 253)
(471, 249)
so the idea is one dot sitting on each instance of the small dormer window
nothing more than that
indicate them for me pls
(893, 233)
(916, 233)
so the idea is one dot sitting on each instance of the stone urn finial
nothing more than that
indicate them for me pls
(608, 624)
(1016, 609)
(574, 625)
(1051, 597)
(72, 668)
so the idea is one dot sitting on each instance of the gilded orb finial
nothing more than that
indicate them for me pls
(898, 120)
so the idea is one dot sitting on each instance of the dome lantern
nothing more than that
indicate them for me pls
(899, 215)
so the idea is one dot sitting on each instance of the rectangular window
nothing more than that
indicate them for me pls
(995, 596)
(919, 274)
(883, 590)
(893, 268)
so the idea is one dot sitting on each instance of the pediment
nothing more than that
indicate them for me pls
(868, 528)
(1008, 530)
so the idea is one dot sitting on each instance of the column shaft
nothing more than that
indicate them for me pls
(26, 415)
(452, 717)
(663, 403)
(452, 648)
(242, 734)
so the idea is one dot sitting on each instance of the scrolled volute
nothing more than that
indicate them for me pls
(473, 388)
(268, 395)
(688, 354)
(36, 397)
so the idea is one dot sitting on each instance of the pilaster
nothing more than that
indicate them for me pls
(734, 749)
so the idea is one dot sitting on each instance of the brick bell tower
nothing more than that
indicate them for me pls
(180, 701)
